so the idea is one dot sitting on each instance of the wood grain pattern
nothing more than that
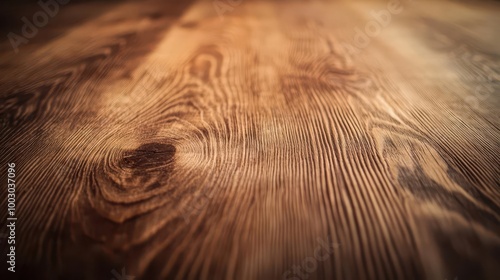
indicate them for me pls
(164, 139)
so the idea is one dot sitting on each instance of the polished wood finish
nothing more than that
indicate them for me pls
(182, 143)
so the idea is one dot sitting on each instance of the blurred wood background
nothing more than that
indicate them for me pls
(232, 139)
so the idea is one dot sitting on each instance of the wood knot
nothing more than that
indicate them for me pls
(147, 167)
(148, 156)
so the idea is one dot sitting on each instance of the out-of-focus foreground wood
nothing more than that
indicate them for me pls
(183, 140)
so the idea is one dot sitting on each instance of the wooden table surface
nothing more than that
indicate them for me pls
(255, 140)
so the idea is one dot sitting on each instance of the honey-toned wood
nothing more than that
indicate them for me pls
(182, 143)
